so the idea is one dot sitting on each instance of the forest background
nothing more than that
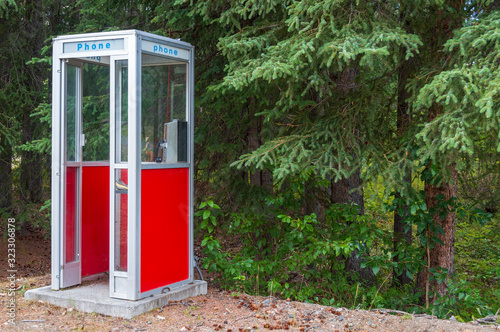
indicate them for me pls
(346, 152)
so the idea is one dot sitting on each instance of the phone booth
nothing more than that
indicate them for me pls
(122, 161)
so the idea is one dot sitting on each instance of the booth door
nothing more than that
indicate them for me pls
(70, 237)
(119, 269)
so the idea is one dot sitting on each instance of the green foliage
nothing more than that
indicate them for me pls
(42, 145)
(468, 93)
(29, 217)
(98, 15)
(420, 218)
(208, 215)
(303, 258)
(463, 302)
(308, 59)
(4, 7)
(296, 257)
(478, 261)
(327, 74)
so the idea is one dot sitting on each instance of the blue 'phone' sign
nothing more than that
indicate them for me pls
(93, 46)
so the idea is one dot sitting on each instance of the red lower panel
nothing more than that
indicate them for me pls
(70, 220)
(95, 219)
(164, 227)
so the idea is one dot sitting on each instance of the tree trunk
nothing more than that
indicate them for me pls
(261, 178)
(441, 255)
(347, 191)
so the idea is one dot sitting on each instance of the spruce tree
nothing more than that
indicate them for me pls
(351, 86)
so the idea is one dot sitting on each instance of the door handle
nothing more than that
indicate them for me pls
(120, 187)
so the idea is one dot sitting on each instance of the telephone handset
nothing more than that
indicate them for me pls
(163, 145)
(173, 147)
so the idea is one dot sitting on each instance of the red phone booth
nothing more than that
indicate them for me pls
(122, 162)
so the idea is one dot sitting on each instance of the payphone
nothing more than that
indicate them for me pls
(173, 147)
(122, 146)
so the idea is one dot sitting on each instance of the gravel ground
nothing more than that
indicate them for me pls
(219, 311)
(216, 311)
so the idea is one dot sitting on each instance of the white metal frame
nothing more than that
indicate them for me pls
(116, 278)
(132, 51)
(56, 167)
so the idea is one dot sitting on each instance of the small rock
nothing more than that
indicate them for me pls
(340, 318)
(267, 301)
(160, 317)
(149, 322)
(453, 318)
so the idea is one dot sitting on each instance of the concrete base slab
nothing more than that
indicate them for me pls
(93, 296)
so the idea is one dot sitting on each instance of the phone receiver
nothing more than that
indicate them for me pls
(158, 159)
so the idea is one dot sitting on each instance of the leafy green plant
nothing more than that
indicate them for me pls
(294, 257)
(276, 251)
(212, 246)
(208, 212)
(462, 301)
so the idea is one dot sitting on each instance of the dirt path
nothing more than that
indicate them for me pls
(217, 311)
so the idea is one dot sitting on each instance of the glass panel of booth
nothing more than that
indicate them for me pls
(72, 108)
(72, 92)
(121, 218)
(120, 229)
(91, 80)
(71, 222)
(95, 111)
(164, 128)
(121, 111)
